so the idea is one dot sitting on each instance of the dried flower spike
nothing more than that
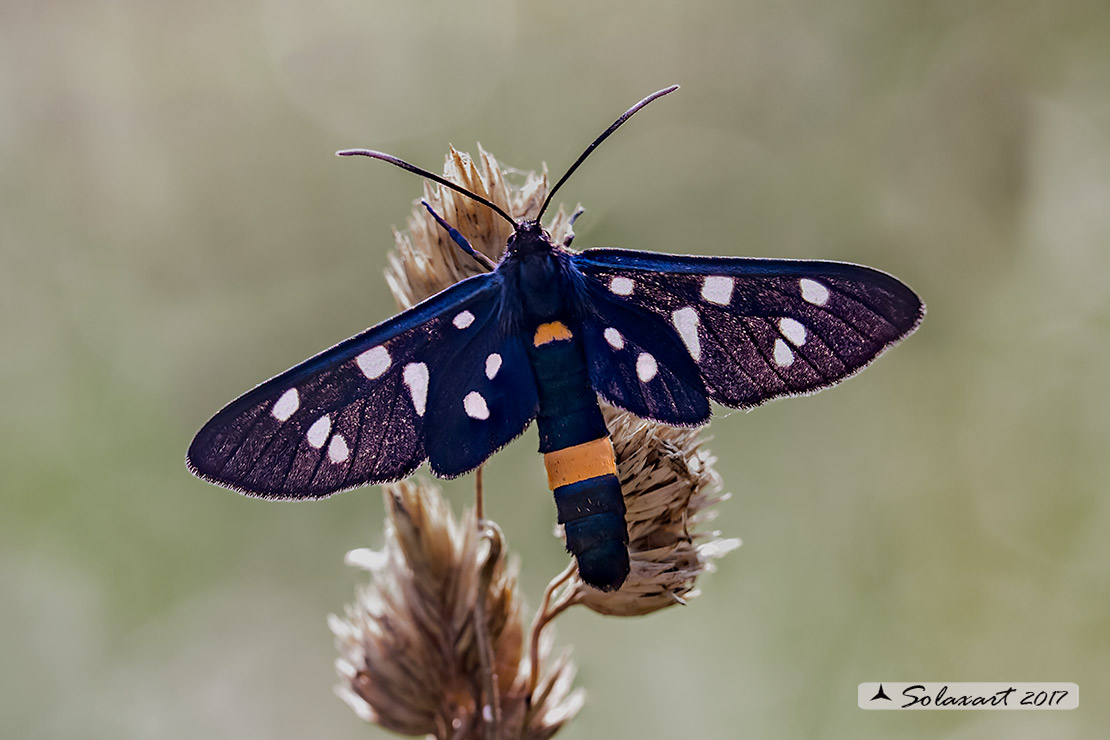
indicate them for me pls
(425, 260)
(409, 646)
(669, 484)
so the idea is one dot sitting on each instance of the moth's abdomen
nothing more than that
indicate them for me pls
(591, 509)
(568, 412)
(581, 469)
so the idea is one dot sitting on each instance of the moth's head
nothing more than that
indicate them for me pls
(529, 227)
(529, 238)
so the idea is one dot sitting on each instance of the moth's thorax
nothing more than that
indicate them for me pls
(537, 271)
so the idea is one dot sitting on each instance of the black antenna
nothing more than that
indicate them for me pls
(597, 142)
(434, 178)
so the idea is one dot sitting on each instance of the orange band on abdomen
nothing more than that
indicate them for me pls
(572, 464)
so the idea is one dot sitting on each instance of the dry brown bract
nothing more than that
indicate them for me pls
(410, 658)
(426, 261)
(669, 485)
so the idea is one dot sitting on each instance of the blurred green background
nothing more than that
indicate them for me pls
(174, 228)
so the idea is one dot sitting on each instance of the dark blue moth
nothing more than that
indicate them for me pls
(539, 337)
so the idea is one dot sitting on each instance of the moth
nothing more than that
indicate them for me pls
(540, 336)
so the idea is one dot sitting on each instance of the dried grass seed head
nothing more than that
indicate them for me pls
(409, 656)
(669, 486)
(425, 260)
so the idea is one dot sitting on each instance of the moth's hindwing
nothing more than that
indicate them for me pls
(482, 398)
(637, 362)
(754, 329)
(357, 413)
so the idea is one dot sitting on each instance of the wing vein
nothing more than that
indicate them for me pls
(797, 350)
(766, 358)
(846, 322)
(727, 350)
(828, 312)
(761, 393)
(390, 403)
(273, 438)
(242, 440)
(360, 420)
(289, 467)
(866, 304)
(321, 454)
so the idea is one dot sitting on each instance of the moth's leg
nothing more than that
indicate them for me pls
(461, 240)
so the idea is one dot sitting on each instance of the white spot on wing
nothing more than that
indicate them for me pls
(814, 292)
(318, 432)
(475, 406)
(493, 364)
(621, 286)
(463, 319)
(337, 449)
(686, 321)
(285, 406)
(794, 331)
(784, 356)
(614, 338)
(374, 361)
(415, 375)
(646, 367)
(717, 289)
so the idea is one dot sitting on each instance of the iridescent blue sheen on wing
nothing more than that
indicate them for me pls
(482, 397)
(756, 329)
(372, 408)
(619, 362)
